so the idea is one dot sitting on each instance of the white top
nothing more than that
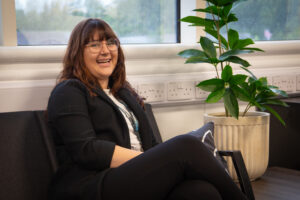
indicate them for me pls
(134, 136)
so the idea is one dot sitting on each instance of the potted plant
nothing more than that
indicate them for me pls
(234, 130)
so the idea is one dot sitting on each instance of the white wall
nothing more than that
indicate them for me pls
(28, 74)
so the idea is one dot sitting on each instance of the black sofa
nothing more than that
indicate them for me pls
(27, 156)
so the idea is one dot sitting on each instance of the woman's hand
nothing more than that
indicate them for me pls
(122, 155)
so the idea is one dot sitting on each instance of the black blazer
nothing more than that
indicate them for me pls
(86, 129)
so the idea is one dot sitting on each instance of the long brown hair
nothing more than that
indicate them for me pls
(73, 62)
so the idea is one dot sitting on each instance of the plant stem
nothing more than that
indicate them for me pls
(217, 71)
(227, 36)
(218, 33)
(220, 47)
(246, 109)
(219, 39)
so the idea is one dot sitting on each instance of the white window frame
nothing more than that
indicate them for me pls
(8, 27)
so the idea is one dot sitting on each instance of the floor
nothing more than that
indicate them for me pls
(278, 184)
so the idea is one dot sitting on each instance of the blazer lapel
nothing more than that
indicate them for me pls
(101, 94)
(145, 129)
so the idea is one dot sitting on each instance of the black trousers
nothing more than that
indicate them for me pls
(180, 168)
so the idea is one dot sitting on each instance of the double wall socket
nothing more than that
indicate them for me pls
(152, 92)
(181, 90)
(286, 83)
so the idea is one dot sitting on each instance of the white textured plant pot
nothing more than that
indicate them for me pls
(249, 134)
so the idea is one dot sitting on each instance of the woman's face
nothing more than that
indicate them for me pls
(101, 57)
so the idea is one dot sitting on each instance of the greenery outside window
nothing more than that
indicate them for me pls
(47, 22)
(264, 20)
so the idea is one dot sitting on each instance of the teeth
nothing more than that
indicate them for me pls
(103, 61)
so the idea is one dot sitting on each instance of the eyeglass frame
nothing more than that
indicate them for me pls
(100, 43)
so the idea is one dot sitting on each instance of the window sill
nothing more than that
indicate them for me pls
(18, 63)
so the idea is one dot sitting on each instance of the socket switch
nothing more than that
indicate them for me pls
(152, 92)
(181, 90)
(286, 83)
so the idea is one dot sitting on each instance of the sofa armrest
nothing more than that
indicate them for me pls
(241, 172)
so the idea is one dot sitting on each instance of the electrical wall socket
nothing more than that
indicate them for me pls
(181, 90)
(286, 82)
(152, 92)
(200, 94)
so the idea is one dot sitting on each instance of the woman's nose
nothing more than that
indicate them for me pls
(104, 49)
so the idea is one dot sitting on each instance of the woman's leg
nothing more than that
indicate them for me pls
(155, 173)
(194, 190)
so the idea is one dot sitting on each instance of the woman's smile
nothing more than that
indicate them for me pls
(104, 62)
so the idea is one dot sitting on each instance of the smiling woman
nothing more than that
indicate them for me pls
(105, 143)
(96, 58)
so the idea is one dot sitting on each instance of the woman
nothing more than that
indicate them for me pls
(105, 145)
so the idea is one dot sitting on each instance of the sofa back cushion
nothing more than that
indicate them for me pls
(27, 158)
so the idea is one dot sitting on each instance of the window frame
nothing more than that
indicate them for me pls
(8, 24)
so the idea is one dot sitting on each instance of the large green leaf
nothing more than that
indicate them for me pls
(274, 113)
(215, 96)
(240, 93)
(238, 79)
(237, 60)
(253, 49)
(276, 102)
(226, 73)
(231, 103)
(198, 60)
(259, 85)
(252, 89)
(226, 10)
(244, 42)
(198, 21)
(279, 92)
(214, 60)
(231, 18)
(263, 81)
(210, 9)
(191, 53)
(211, 85)
(233, 38)
(221, 2)
(233, 53)
(247, 70)
(193, 19)
(208, 47)
(263, 96)
(214, 33)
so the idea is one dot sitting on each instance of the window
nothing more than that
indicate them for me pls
(46, 22)
(268, 20)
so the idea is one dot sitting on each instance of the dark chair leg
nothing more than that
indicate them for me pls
(241, 172)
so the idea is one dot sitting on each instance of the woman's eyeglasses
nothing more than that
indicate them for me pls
(96, 46)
